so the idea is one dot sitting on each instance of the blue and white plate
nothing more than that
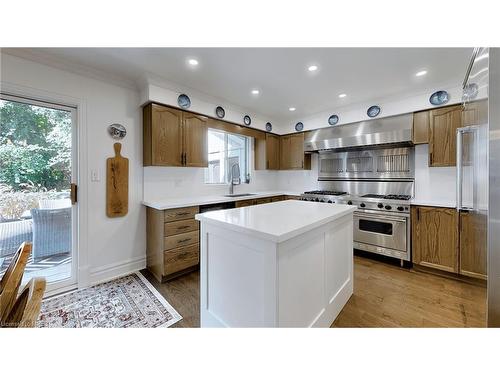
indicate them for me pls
(373, 111)
(184, 101)
(299, 126)
(439, 98)
(219, 111)
(247, 120)
(333, 119)
(269, 127)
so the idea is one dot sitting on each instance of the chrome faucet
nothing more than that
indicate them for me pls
(235, 177)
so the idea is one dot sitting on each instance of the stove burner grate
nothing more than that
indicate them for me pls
(326, 192)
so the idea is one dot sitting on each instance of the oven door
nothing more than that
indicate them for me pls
(381, 230)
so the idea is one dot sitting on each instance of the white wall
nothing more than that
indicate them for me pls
(206, 105)
(109, 247)
(436, 184)
(357, 112)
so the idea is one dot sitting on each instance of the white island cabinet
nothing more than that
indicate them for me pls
(282, 264)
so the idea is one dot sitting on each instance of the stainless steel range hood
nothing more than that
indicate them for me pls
(396, 130)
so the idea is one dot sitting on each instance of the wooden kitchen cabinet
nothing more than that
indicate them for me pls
(443, 125)
(172, 242)
(195, 140)
(420, 127)
(435, 237)
(174, 138)
(473, 239)
(267, 152)
(292, 154)
(475, 113)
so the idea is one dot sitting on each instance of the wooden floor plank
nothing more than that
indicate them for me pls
(385, 295)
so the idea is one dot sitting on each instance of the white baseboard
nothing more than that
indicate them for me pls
(112, 271)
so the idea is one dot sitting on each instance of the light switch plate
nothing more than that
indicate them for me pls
(94, 175)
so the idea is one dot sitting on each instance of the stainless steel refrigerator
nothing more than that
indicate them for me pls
(472, 169)
(494, 189)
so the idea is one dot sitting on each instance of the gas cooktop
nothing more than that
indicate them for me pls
(401, 197)
(326, 192)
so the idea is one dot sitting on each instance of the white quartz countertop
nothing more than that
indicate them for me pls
(434, 203)
(278, 221)
(167, 203)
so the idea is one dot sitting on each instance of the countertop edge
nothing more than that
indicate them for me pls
(204, 200)
(430, 203)
(276, 238)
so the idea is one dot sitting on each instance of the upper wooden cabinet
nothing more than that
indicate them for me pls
(174, 138)
(195, 142)
(475, 113)
(443, 125)
(267, 152)
(292, 154)
(435, 237)
(420, 127)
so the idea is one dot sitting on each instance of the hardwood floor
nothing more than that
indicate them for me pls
(385, 295)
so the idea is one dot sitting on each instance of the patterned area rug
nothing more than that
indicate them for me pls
(130, 301)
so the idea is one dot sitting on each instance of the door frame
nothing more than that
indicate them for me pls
(80, 258)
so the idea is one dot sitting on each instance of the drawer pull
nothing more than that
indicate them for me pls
(184, 240)
(183, 227)
(182, 213)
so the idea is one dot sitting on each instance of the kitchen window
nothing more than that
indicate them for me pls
(224, 150)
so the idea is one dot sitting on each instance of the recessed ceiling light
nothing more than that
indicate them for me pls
(193, 62)
(291, 109)
(342, 95)
(255, 92)
(421, 73)
(312, 68)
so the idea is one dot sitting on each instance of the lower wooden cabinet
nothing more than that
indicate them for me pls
(447, 240)
(252, 202)
(173, 242)
(435, 237)
(473, 250)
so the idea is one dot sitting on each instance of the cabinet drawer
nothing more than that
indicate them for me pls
(249, 202)
(277, 199)
(180, 213)
(181, 226)
(182, 239)
(262, 200)
(179, 259)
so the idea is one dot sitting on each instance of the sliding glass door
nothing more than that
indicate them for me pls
(37, 186)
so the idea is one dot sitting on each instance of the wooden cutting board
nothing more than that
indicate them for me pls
(117, 184)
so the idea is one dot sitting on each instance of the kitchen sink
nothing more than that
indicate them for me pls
(239, 195)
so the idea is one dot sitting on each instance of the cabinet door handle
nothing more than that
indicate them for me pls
(418, 213)
(267, 164)
(430, 158)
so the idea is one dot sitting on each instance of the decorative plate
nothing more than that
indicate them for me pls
(117, 131)
(269, 127)
(439, 98)
(333, 119)
(184, 101)
(470, 91)
(219, 111)
(299, 126)
(373, 111)
(247, 120)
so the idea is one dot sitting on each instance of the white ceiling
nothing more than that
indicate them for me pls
(280, 74)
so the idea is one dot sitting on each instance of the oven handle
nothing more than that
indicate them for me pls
(379, 218)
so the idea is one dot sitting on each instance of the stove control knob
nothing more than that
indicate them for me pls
(330, 201)
(380, 205)
(388, 207)
(349, 202)
(317, 199)
(362, 205)
(401, 208)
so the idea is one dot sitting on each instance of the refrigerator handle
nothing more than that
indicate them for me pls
(459, 168)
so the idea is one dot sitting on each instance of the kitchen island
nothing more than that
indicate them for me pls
(282, 264)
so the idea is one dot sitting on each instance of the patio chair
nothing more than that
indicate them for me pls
(12, 233)
(54, 203)
(51, 232)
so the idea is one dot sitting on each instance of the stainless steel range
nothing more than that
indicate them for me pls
(380, 183)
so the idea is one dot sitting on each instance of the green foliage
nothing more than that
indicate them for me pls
(35, 146)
